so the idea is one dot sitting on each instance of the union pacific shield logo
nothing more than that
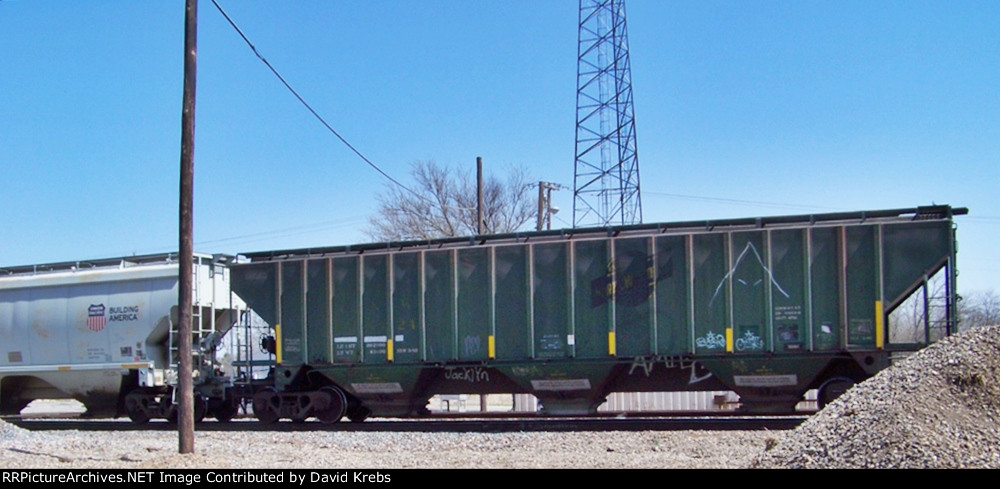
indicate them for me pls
(95, 317)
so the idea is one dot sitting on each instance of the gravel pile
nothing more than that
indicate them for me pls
(939, 408)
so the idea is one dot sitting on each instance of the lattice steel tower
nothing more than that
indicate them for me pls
(606, 184)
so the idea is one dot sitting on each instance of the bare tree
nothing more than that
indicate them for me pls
(923, 315)
(980, 308)
(443, 204)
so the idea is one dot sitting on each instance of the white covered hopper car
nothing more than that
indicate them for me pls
(104, 332)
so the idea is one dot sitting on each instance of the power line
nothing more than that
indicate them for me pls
(285, 232)
(320, 118)
(981, 219)
(738, 201)
(244, 239)
(306, 104)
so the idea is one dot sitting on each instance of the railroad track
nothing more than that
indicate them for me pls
(445, 424)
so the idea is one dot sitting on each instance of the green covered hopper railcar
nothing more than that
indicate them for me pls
(768, 308)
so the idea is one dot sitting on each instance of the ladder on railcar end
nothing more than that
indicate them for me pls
(246, 380)
(250, 368)
(200, 328)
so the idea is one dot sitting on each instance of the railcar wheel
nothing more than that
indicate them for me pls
(200, 410)
(336, 408)
(136, 406)
(226, 410)
(832, 389)
(265, 405)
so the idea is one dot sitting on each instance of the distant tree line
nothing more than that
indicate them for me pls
(979, 308)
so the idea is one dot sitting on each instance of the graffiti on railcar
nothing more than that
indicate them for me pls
(472, 375)
(646, 364)
(711, 341)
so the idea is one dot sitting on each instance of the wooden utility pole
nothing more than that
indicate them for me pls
(185, 395)
(479, 195)
(480, 229)
(545, 208)
(541, 206)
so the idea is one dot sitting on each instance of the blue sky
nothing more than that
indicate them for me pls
(743, 108)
